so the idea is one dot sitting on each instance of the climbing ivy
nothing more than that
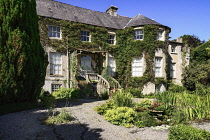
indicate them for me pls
(71, 33)
(124, 51)
(127, 48)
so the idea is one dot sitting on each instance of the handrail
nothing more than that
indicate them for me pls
(99, 79)
(117, 84)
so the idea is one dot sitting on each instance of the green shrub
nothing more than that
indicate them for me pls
(143, 119)
(62, 117)
(176, 88)
(46, 99)
(67, 93)
(136, 92)
(145, 103)
(184, 132)
(104, 107)
(104, 95)
(123, 99)
(123, 116)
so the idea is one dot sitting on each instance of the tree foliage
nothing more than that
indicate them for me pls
(196, 74)
(22, 58)
(191, 41)
(201, 53)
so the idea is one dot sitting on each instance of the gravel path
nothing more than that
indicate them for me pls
(89, 125)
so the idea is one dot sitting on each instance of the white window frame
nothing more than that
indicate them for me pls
(111, 65)
(54, 32)
(173, 70)
(55, 63)
(112, 41)
(160, 35)
(85, 36)
(137, 67)
(138, 34)
(55, 87)
(158, 66)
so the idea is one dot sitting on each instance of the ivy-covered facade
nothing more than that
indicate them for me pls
(135, 51)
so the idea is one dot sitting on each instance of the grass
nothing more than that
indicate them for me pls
(58, 118)
(16, 107)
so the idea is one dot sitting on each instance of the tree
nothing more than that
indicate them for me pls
(22, 58)
(191, 41)
(201, 53)
(196, 74)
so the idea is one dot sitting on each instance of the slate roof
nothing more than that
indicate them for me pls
(58, 10)
(141, 20)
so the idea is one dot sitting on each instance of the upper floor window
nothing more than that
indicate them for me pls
(173, 70)
(158, 66)
(55, 64)
(160, 35)
(54, 31)
(137, 69)
(112, 39)
(85, 36)
(173, 49)
(139, 34)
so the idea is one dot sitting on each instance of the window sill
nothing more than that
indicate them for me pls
(56, 75)
(159, 77)
(173, 78)
(139, 39)
(55, 38)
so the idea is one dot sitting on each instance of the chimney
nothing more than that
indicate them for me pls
(112, 10)
(179, 40)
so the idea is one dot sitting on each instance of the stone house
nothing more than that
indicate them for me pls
(81, 43)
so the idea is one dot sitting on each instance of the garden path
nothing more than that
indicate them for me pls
(88, 125)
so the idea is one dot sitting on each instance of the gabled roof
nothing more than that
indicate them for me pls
(141, 20)
(58, 10)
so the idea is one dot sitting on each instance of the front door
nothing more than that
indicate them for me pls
(86, 64)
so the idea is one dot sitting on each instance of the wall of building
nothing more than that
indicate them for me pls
(56, 79)
(180, 57)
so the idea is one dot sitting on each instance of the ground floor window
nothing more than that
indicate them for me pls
(111, 66)
(55, 87)
(158, 66)
(55, 63)
(137, 67)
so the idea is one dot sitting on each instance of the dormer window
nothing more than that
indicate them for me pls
(139, 34)
(85, 36)
(112, 38)
(54, 32)
(160, 35)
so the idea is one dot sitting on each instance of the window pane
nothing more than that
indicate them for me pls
(54, 31)
(55, 63)
(158, 66)
(137, 66)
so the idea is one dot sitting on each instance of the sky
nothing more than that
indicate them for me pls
(184, 17)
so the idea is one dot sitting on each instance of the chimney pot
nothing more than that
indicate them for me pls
(112, 10)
